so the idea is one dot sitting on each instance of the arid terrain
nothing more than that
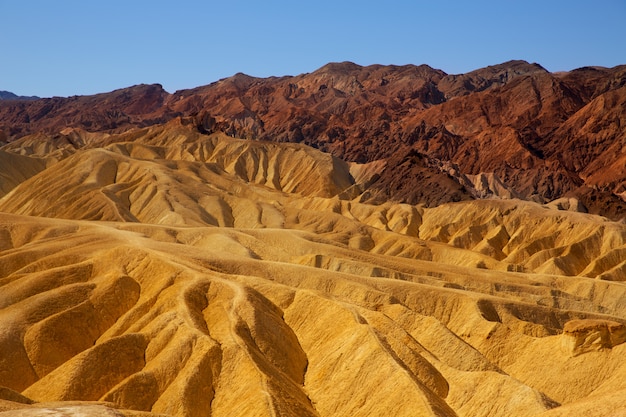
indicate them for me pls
(357, 241)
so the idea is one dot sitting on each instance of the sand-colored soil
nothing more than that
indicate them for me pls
(162, 272)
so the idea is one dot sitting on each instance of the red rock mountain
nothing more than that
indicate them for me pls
(513, 130)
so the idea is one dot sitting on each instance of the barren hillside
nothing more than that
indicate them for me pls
(168, 270)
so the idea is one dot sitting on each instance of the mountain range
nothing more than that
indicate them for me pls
(509, 130)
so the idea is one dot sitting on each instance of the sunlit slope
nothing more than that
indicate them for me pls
(172, 176)
(166, 274)
(173, 319)
(14, 169)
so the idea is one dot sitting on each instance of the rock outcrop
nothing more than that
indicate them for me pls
(593, 335)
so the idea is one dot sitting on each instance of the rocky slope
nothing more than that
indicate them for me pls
(509, 129)
(163, 271)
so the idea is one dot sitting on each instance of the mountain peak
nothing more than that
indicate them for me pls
(7, 95)
(339, 67)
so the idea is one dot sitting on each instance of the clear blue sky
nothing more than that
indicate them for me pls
(76, 47)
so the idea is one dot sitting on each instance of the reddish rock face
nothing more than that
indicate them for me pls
(543, 135)
(115, 111)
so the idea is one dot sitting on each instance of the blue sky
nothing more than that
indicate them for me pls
(76, 47)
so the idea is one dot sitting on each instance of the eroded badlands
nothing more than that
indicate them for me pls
(167, 272)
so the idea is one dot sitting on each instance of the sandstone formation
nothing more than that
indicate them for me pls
(172, 270)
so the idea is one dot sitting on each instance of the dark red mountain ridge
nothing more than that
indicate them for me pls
(512, 130)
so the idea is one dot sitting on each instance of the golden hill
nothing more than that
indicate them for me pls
(165, 272)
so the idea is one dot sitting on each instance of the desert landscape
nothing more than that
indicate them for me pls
(354, 241)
